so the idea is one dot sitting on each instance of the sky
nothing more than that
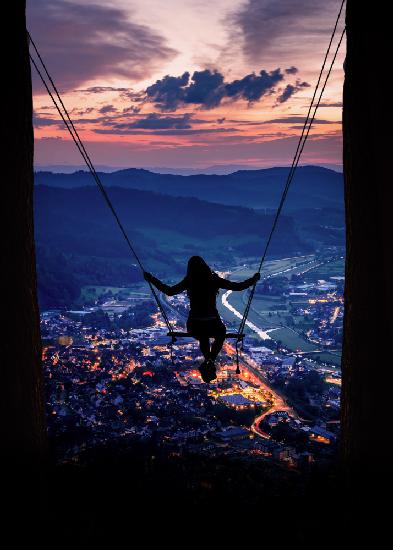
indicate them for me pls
(186, 84)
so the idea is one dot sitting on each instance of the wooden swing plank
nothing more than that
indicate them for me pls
(179, 334)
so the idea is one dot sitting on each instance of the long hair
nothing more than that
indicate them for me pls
(200, 278)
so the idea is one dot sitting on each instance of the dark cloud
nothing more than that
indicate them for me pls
(103, 89)
(292, 70)
(107, 109)
(51, 138)
(80, 112)
(315, 122)
(290, 90)
(252, 87)
(133, 109)
(81, 42)
(169, 91)
(40, 121)
(297, 119)
(207, 89)
(154, 121)
(337, 104)
(157, 124)
(196, 131)
(151, 121)
(171, 132)
(262, 23)
(134, 97)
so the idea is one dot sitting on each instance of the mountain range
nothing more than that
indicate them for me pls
(78, 242)
(312, 186)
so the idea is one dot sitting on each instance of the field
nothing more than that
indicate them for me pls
(275, 312)
(330, 269)
(91, 293)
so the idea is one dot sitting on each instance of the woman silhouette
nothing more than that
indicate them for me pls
(202, 286)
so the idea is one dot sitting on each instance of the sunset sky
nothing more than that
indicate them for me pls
(190, 83)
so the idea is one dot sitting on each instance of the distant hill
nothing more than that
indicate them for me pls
(79, 243)
(78, 221)
(312, 187)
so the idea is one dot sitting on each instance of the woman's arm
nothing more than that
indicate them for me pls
(166, 289)
(232, 285)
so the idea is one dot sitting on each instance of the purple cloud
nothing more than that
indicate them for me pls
(290, 90)
(154, 121)
(107, 109)
(80, 42)
(260, 23)
(207, 88)
(296, 119)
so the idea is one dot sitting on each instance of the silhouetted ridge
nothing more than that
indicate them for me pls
(312, 187)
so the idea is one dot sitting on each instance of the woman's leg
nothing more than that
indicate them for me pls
(204, 344)
(197, 330)
(219, 339)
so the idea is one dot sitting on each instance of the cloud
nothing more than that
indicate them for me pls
(169, 91)
(132, 109)
(261, 24)
(207, 88)
(336, 104)
(297, 119)
(81, 42)
(171, 132)
(154, 121)
(80, 112)
(252, 87)
(157, 124)
(103, 89)
(51, 138)
(107, 109)
(40, 122)
(292, 70)
(120, 124)
(290, 90)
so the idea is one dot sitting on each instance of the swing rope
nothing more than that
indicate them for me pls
(299, 149)
(59, 104)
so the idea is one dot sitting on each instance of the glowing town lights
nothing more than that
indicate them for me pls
(65, 340)
(335, 315)
(331, 380)
(157, 321)
(320, 439)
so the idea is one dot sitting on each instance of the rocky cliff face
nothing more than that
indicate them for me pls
(22, 418)
(367, 356)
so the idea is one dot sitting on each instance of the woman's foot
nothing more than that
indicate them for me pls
(208, 371)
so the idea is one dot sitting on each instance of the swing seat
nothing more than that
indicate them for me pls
(179, 334)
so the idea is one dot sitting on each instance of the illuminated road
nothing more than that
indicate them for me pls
(263, 334)
(335, 315)
(279, 403)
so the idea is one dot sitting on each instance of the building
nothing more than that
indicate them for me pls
(236, 401)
